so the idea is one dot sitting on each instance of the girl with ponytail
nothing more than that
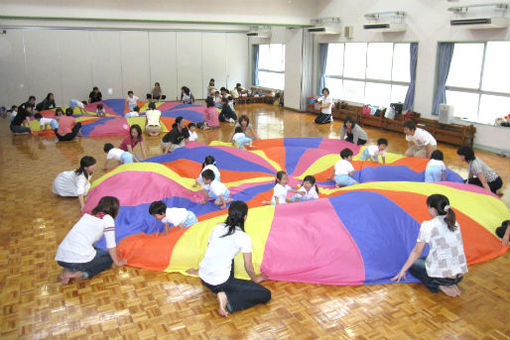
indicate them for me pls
(216, 270)
(445, 264)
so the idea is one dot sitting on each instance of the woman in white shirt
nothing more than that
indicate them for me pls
(445, 264)
(326, 105)
(216, 270)
(75, 183)
(77, 254)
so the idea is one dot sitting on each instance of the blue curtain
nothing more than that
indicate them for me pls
(444, 61)
(409, 101)
(323, 59)
(255, 75)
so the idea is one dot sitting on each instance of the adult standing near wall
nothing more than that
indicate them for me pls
(95, 95)
(479, 173)
(421, 142)
(355, 134)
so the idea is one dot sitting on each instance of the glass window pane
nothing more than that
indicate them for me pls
(398, 93)
(335, 61)
(264, 56)
(353, 91)
(335, 87)
(492, 107)
(496, 68)
(466, 66)
(465, 105)
(402, 62)
(379, 59)
(355, 60)
(272, 80)
(377, 94)
(272, 57)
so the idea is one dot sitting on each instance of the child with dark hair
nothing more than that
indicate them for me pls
(45, 122)
(79, 104)
(373, 152)
(76, 183)
(216, 270)
(308, 191)
(13, 112)
(214, 189)
(132, 100)
(503, 232)
(209, 163)
(116, 154)
(343, 170)
(280, 190)
(445, 264)
(240, 139)
(100, 110)
(178, 217)
(436, 169)
(77, 254)
(211, 116)
(134, 113)
(192, 130)
(479, 173)
(227, 114)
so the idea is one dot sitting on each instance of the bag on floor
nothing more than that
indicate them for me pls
(323, 118)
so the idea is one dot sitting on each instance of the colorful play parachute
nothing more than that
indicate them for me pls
(360, 234)
(113, 123)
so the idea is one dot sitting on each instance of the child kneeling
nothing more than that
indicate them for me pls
(178, 217)
(215, 189)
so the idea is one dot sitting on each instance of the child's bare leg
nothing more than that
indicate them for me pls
(448, 290)
(222, 303)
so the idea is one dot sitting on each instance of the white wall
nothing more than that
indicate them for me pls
(70, 62)
(293, 68)
(428, 23)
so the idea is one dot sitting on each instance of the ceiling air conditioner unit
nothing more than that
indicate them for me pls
(385, 27)
(480, 23)
(325, 29)
(259, 34)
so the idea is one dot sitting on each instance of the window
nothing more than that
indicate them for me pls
(477, 85)
(372, 73)
(271, 66)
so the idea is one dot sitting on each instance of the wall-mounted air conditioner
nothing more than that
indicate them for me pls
(445, 114)
(259, 34)
(385, 27)
(480, 23)
(325, 29)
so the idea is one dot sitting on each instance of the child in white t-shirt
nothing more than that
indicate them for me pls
(100, 110)
(178, 217)
(192, 129)
(308, 191)
(280, 190)
(208, 163)
(45, 122)
(343, 170)
(76, 103)
(436, 169)
(14, 112)
(135, 112)
(240, 139)
(132, 100)
(214, 189)
(373, 151)
(116, 154)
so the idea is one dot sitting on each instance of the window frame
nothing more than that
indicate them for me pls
(479, 90)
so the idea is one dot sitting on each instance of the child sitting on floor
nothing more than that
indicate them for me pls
(214, 189)
(280, 190)
(373, 151)
(76, 103)
(45, 122)
(116, 154)
(14, 112)
(178, 217)
(436, 169)
(134, 113)
(343, 170)
(132, 100)
(192, 128)
(209, 163)
(240, 139)
(100, 110)
(308, 191)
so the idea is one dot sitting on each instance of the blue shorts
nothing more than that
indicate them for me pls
(433, 173)
(54, 124)
(191, 219)
(132, 106)
(365, 156)
(226, 194)
(301, 198)
(126, 157)
(344, 180)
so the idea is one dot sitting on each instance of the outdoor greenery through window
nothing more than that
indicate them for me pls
(477, 86)
(369, 73)
(271, 66)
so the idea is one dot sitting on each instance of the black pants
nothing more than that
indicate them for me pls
(494, 185)
(69, 136)
(350, 138)
(99, 263)
(241, 294)
(226, 114)
(420, 272)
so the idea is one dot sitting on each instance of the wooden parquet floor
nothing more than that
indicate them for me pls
(131, 303)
